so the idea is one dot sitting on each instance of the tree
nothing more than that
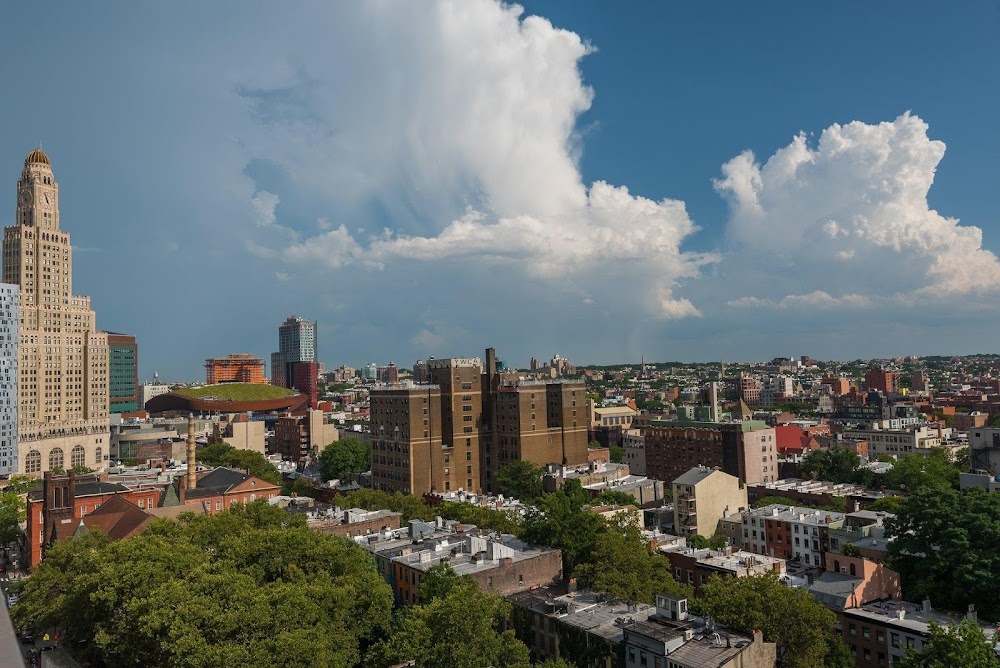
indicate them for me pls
(962, 644)
(223, 454)
(699, 542)
(342, 458)
(612, 497)
(520, 479)
(12, 506)
(788, 616)
(837, 465)
(913, 472)
(560, 520)
(251, 586)
(458, 628)
(594, 445)
(441, 578)
(616, 454)
(943, 544)
(887, 504)
(622, 565)
(300, 487)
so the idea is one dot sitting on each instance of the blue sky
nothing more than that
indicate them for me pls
(432, 178)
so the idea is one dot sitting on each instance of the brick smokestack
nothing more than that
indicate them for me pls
(192, 477)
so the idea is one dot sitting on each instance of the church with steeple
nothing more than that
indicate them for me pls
(62, 384)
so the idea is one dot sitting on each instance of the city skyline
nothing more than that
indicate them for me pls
(247, 188)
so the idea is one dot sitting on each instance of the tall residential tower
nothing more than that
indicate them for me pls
(63, 365)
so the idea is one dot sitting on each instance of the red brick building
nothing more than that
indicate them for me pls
(305, 379)
(880, 379)
(222, 488)
(55, 511)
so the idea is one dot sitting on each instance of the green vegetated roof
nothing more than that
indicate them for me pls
(236, 392)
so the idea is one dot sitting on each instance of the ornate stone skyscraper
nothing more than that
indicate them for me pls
(63, 365)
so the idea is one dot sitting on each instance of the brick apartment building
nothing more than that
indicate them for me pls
(886, 382)
(301, 435)
(747, 450)
(497, 563)
(235, 368)
(456, 430)
(695, 567)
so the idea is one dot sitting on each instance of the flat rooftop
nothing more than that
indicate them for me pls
(914, 617)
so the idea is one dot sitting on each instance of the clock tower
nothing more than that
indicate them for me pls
(63, 359)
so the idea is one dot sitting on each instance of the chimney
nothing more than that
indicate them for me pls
(758, 636)
(571, 586)
(927, 604)
(192, 474)
(971, 614)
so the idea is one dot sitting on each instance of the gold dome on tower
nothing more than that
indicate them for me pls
(37, 156)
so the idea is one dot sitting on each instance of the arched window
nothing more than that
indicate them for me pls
(854, 571)
(78, 457)
(56, 459)
(33, 462)
(98, 456)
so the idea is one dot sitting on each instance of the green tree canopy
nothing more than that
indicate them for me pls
(788, 616)
(699, 542)
(838, 465)
(251, 586)
(342, 458)
(622, 565)
(613, 497)
(223, 454)
(12, 507)
(520, 479)
(441, 578)
(913, 472)
(963, 644)
(560, 520)
(458, 628)
(616, 454)
(944, 545)
(887, 504)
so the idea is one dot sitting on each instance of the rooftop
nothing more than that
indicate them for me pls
(235, 392)
(911, 616)
(745, 425)
(470, 554)
(694, 475)
(800, 515)
(586, 610)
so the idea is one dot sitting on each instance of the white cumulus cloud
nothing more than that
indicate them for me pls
(457, 120)
(850, 215)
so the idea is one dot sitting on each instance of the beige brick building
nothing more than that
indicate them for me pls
(63, 361)
(467, 421)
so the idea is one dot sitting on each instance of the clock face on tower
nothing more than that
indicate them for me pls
(47, 200)
(26, 197)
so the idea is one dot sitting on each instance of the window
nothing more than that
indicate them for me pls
(78, 456)
(56, 459)
(33, 462)
(466, 386)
